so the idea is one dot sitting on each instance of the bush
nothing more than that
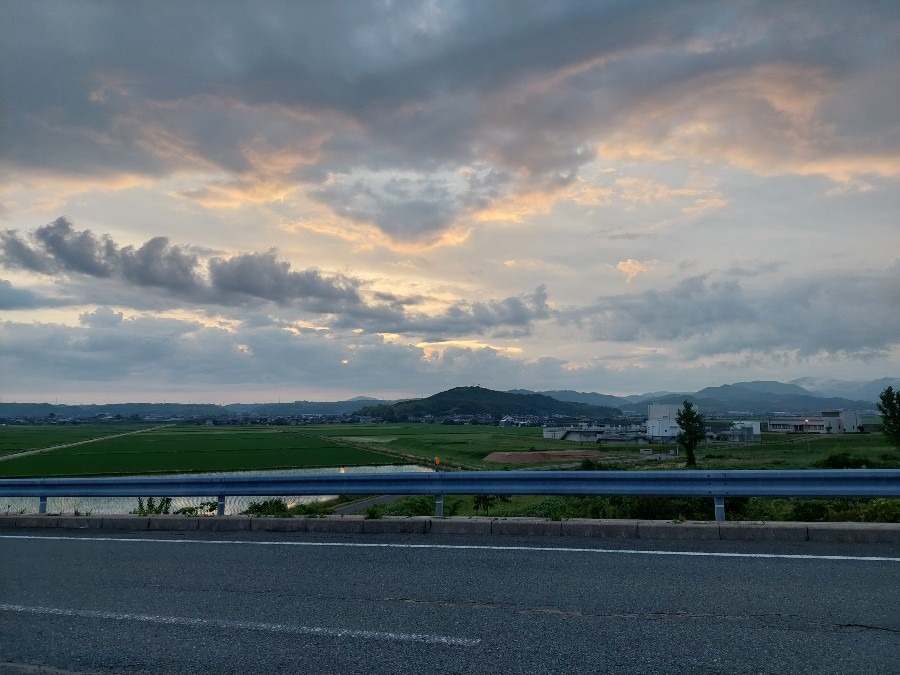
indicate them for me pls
(844, 460)
(882, 511)
(419, 505)
(270, 507)
(204, 509)
(151, 508)
(313, 509)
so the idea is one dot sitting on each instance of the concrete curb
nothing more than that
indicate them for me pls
(864, 533)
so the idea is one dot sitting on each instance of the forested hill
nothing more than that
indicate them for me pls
(481, 401)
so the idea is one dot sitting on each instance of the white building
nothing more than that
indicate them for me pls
(829, 422)
(661, 424)
(581, 433)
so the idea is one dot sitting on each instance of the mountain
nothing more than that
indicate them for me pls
(591, 398)
(160, 410)
(866, 391)
(182, 410)
(771, 387)
(481, 401)
(731, 398)
(301, 407)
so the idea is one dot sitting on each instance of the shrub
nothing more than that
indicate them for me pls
(419, 505)
(204, 509)
(151, 508)
(844, 460)
(270, 507)
(373, 512)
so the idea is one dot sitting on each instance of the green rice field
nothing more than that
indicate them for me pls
(181, 449)
(186, 448)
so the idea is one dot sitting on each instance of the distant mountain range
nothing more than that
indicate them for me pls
(804, 396)
(481, 401)
(755, 398)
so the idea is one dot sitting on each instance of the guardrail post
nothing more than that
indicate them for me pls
(439, 506)
(220, 508)
(42, 505)
(720, 509)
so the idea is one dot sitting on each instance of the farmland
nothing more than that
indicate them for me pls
(202, 449)
(177, 449)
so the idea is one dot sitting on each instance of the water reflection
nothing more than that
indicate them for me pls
(233, 505)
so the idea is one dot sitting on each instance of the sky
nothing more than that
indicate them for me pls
(235, 202)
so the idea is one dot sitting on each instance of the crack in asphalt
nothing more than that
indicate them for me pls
(770, 618)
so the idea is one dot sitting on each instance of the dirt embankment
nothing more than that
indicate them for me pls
(542, 456)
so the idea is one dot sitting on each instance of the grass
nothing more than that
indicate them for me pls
(800, 452)
(201, 449)
(193, 449)
(463, 446)
(15, 438)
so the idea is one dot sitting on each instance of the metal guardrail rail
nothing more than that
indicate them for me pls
(715, 484)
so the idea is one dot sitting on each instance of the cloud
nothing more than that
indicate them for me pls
(269, 101)
(22, 298)
(242, 279)
(805, 317)
(262, 275)
(631, 268)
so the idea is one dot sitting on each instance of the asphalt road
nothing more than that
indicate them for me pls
(262, 603)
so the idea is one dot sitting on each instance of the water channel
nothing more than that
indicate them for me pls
(233, 505)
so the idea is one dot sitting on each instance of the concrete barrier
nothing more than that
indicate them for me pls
(863, 533)
(600, 529)
(747, 531)
(126, 522)
(396, 525)
(35, 521)
(338, 524)
(174, 523)
(224, 524)
(471, 526)
(80, 522)
(664, 529)
(855, 533)
(527, 527)
(278, 524)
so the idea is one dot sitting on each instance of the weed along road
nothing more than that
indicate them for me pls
(256, 602)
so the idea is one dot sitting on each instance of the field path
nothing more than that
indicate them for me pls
(38, 451)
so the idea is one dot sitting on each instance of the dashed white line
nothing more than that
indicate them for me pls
(317, 631)
(466, 547)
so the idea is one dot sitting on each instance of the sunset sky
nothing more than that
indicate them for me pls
(260, 201)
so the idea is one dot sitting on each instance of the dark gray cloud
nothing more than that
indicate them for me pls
(807, 317)
(263, 275)
(22, 298)
(59, 248)
(508, 317)
(403, 209)
(245, 279)
(529, 90)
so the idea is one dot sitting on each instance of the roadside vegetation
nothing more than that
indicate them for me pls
(647, 508)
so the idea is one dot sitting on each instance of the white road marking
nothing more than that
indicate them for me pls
(467, 547)
(246, 625)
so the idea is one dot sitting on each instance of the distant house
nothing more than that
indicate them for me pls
(581, 433)
(828, 422)
(744, 431)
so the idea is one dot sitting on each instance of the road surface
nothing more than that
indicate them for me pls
(249, 602)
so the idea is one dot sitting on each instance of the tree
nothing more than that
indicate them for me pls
(693, 430)
(889, 407)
